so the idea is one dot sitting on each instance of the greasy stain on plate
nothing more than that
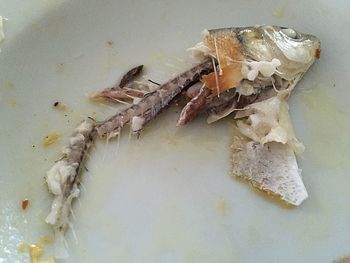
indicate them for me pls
(278, 12)
(327, 123)
(50, 139)
(8, 84)
(221, 206)
(35, 252)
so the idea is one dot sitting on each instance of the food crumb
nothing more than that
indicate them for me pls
(60, 68)
(109, 43)
(59, 105)
(25, 204)
(50, 139)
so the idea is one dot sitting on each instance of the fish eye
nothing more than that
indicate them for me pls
(290, 32)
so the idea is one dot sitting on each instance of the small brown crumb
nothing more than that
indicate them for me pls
(109, 43)
(318, 53)
(33, 146)
(59, 105)
(25, 204)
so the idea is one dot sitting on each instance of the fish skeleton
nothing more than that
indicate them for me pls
(245, 72)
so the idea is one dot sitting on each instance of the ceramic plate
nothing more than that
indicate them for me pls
(167, 196)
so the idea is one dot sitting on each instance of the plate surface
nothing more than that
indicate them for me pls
(168, 196)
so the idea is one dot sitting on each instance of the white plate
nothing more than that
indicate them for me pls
(168, 196)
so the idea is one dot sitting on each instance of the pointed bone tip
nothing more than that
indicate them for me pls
(181, 122)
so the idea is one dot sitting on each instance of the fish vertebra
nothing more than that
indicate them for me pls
(155, 101)
(63, 177)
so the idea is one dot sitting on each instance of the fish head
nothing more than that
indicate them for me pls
(267, 42)
(295, 50)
